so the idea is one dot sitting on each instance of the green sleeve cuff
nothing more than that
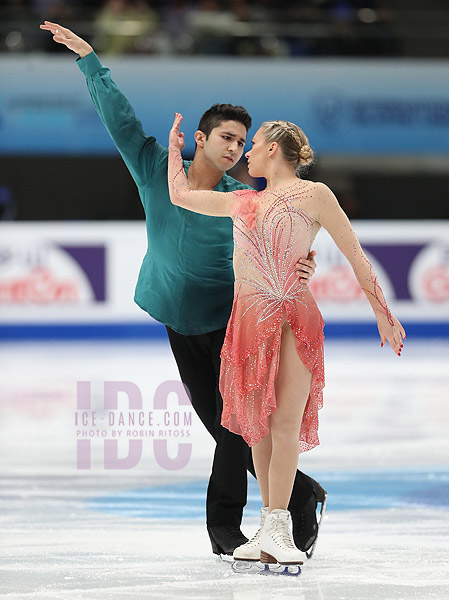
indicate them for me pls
(89, 64)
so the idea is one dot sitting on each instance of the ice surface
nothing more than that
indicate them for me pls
(139, 532)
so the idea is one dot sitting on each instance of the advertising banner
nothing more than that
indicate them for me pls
(85, 273)
(70, 272)
(411, 260)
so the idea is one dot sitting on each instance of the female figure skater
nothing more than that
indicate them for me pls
(272, 374)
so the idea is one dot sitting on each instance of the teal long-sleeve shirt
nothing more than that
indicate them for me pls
(186, 277)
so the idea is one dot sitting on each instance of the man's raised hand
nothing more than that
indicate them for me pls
(62, 35)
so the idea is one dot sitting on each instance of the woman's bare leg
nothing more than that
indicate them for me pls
(292, 388)
(261, 459)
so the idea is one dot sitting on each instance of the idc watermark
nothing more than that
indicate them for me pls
(123, 431)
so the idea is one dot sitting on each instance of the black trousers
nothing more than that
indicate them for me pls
(198, 360)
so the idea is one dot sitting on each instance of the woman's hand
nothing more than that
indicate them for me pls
(390, 329)
(62, 35)
(176, 138)
(306, 267)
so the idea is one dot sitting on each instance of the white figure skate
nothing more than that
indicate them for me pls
(276, 542)
(247, 555)
(251, 550)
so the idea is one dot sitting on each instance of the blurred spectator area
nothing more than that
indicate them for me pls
(389, 188)
(386, 28)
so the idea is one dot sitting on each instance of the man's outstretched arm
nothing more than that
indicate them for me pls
(137, 149)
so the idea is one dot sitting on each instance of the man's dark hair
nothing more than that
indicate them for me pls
(223, 112)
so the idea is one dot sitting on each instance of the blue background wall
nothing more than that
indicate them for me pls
(345, 106)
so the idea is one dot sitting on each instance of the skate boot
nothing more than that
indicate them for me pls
(276, 541)
(225, 538)
(305, 523)
(251, 550)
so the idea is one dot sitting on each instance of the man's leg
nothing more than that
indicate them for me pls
(197, 374)
(198, 360)
(227, 491)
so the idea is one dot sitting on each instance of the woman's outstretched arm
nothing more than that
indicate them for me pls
(215, 204)
(335, 221)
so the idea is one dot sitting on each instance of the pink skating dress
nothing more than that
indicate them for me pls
(271, 232)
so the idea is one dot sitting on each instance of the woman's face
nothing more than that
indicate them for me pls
(258, 155)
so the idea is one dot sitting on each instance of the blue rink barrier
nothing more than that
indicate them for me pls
(136, 331)
(347, 490)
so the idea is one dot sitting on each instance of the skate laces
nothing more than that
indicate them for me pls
(281, 533)
(254, 541)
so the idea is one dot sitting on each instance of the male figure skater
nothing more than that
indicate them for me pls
(186, 282)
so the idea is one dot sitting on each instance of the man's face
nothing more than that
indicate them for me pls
(224, 146)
